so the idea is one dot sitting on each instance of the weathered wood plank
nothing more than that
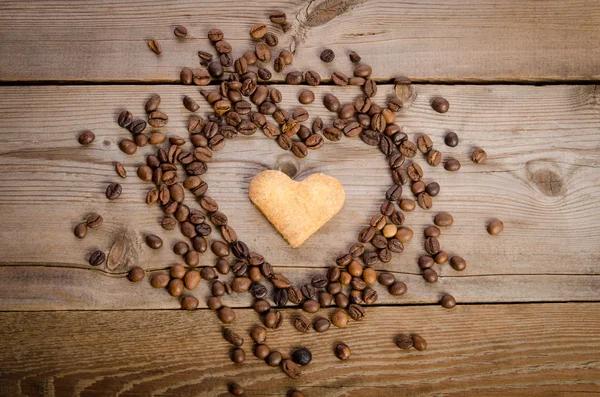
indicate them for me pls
(541, 178)
(430, 40)
(31, 288)
(509, 350)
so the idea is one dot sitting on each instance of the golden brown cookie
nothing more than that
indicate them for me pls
(296, 209)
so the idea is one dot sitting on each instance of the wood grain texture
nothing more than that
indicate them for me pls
(541, 179)
(432, 40)
(508, 350)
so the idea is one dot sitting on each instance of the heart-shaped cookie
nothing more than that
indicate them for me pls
(296, 209)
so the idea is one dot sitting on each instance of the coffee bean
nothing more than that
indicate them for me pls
(155, 46)
(314, 141)
(201, 78)
(397, 218)
(113, 191)
(94, 220)
(97, 258)
(370, 137)
(279, 64)
(451, 139)
(261, 351)
(271, 40)
(312, 78)
(424, 143)
(354, 57)
(430, 275)
(407, 205)
(311, 305)
(238, 355)
(190, 104)
(424, 200)
(180, 31)
(306, 97)
(404, 234)
(370, 296)
(274, 359)
(431, 231)
(157, 119)
(278, 17)
(226, 315)
(302, 323)
(404, 342)
(441, 257)
(302, 356)
(425, 262)
(152, 103)
(273, 319)
(443, 219)
(291, 369)
(433, 189)
(495, 227)
(124, 119)
(339, 78)
(386, 279)
(220, 248)
(362, 71)
(331, 102)
(160, 280)
(340, 319)
(434, 158)
(440, 105)
(280, 297)
(479, 156)
(414, 171)
(458, 263)
(452, 165)
(321, 324)
(408, 149)
(137, 274)
(294, 295)
(341, 300)
(398, 288)
(127, 146)
(419, 343)
(370, 88)
(154, 241)
(395, 105)
(186, 76)
(327, 55)
(258, 31)
(175, 287)
(342, 351)
(356, 312)
(232, 337)
(86, 137)
(294, 78)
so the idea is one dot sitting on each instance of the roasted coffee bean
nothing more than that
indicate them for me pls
(291, 369)
(407, 205)
(180, 31)
(160, 280)
(279, 64)
(443, 219)
(425, 262)
(137, 274)
(432, 245)
(186, 76)
(332, 134)
(168, 223)
(275, 96)
(431, 231)
(94, 220)
(398, 288)
(331, 102)
(430, 275)
(294, 295)
(339, 78)
(362, 71)
(314, 141)
(236, 389)
(370, 88)
(294, 78)
(267, 270)
(356, 312)
(302, 323)
(312, 78)
(321, 324)
(495, 227)
(258, 31)
(308, 290)
(271, 39)
(370, 296)
(395, 105)
(370, 137)
(175, 287)
(458, 263)
(302, 356)
(181, 248)
(306, 97)
(440, 105)
(261, 351)
(233, 338)
(479, 156)
(386, 279)
(451, 139)
(155, 46)
(341, 300)
(220, 248)
(424, 143)
(205, 57)
(327, 55)
(319, 281)
(424, 200)
(433, 189)
(452, 165)
(311, 305)
(97, 257)
(157, 119)
(441, 257)
(397, 218)
(356, 81)
(86, 137)
(223, 47)
(278, 17)
(404, 342)
(408, 149)
(190, 104)
(366, 234)
(124, 119)
(274, 359)
(189, 303)
(201, 78)
(354, 57)
(280, 297)
(273, 319)
(434, 158)
(127, 146)
(385, 255)
(238, 356)
(414, 171)
(191, 280)
(152, 103)
(241, 284)
(264, 73)
(113, 191)
(394, 192)
(385, 145)
(418, 187)
(404, 234)
(419, 343)
(240, 250)
(154, 241)
(397, 137)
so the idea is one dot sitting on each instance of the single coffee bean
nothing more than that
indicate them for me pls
(205, 57)
(261, 351)
(223, 47)
(441, 257)
(189, 303)
(451, 139)
(331, 102)
(398, 288)
(94, 220)
(215, 35)
(259, 335)
(280, 297)
(258, 31)
(186, 76)
(425, 262)
(311, 306)
(342, 351)
(386, 279)
(404, 234)
(261, 306)
(418, 187)
(312, 78)
(294, 78)
(443, 219)
(154, 241)
(379, 241)
(433, 189)
(327, 55)
(125, 118)
(395, 105)
(191, 279)
(294, 295)
(404, 342)
(136, 274)
(306, 97)
(407, 205)
(113, 191)
(155, 46)
(370, 88)
(175, 287)
(341, 300)
(356, 312)
(238, 356)
(220, 248)
(340, 318)
(157, 119)
(458, 263)
(326, 298)
(432, 245)
(302, 323)
(452, 165)
(127, 146)
(152, 103)
(180, 31)
(419, 343)
(226, 315)
(190, 104)
(424, 143)
(279, 64)
(440, 105)
(321, 324)
(86, 137)
(339, 78)
(424, 201)
(291, 369)
(479, 156)
(430, 275)
(302, 356)
(408, 149)
(258, 291)
(397, 218)
(97, 258)
(414, 171)
(278, 17)
(160, 280)
(274, 359)
(232, 337)
(362, 71)
(264, 73)
(360, 81)
(271, 40)
(432, 231)
(236, 389)
(354, 57)
(168, 223)
(273, 319)
(495, 227)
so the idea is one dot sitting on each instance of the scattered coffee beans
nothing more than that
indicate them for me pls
(451, 139)
(448, 302)
(342, 351)
(86, 137)
(479, 156)
(440, 105)
(327, 55)
(495, 227)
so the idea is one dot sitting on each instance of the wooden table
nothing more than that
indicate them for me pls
(520, 77)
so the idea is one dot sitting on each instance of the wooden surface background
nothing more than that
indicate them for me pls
(528, 316)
